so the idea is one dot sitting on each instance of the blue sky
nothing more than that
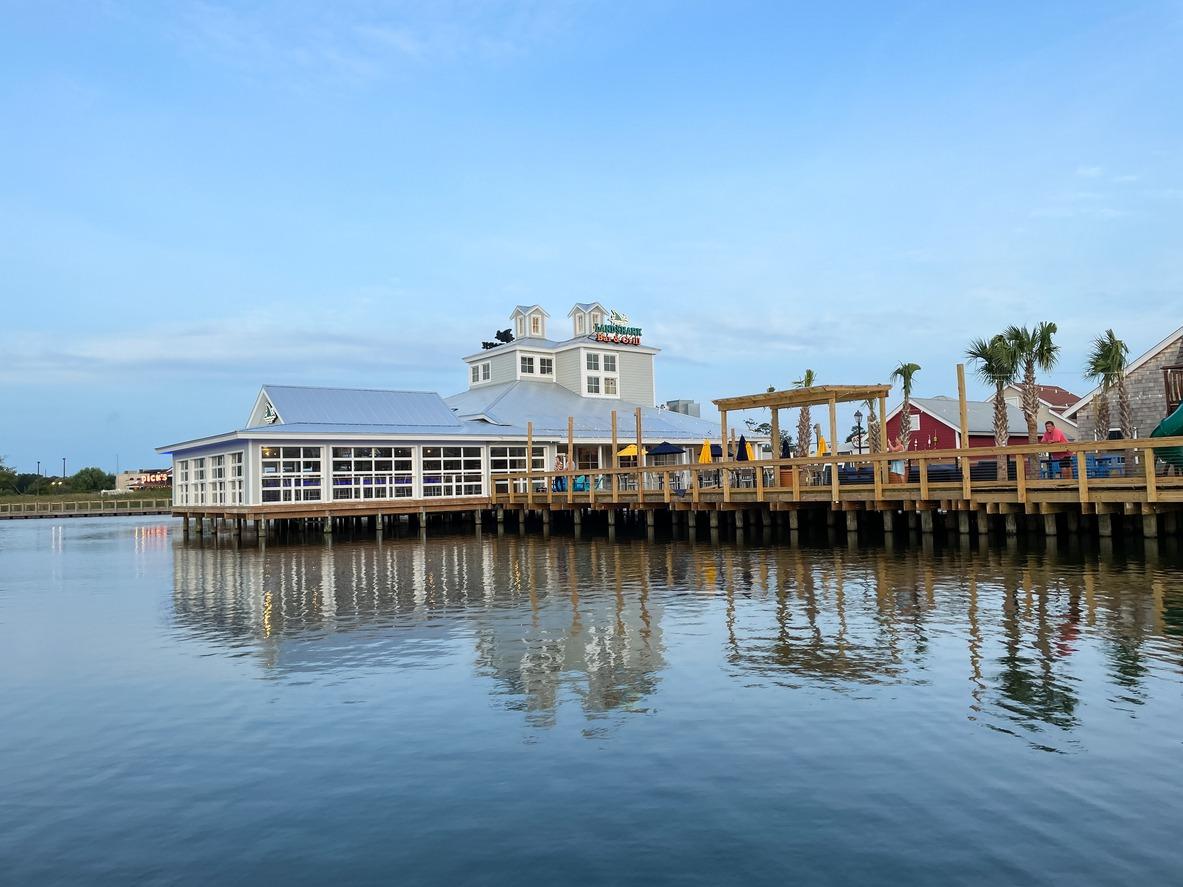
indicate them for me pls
(197, 198)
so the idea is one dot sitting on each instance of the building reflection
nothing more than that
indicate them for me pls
(553, 622)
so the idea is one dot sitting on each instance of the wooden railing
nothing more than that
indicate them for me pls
(82, 507)
(1142, 465)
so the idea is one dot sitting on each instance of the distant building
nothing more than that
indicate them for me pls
(143, 479)
(1155, 383)
(1053, 401)
(685, 407)
(936, 423)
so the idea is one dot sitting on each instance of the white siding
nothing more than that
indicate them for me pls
(567, 369)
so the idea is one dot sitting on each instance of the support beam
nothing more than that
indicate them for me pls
(1049, 525)
(852, 521)
(1149, 525)
(926, 522)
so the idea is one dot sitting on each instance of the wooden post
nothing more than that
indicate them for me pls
(775, 433)
(883, 419)
(1021, 477)
(834, 448)
(570, 459)
(640, 459)
(1151, 480)
(965, 487)
(615, 461)
(923, 478)
(529, 464)
(1082, 476)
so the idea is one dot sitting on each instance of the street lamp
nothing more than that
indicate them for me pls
(858, 435)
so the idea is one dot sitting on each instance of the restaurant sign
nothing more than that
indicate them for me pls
(617, 330)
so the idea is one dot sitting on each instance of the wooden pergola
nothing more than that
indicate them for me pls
(816, 395)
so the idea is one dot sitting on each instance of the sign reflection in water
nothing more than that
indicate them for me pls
(546, 618)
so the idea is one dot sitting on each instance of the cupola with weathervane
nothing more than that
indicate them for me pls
(529, 321)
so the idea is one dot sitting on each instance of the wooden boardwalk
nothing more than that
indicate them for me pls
(93, 508)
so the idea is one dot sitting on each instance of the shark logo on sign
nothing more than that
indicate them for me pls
(270, 417)
(617, 330)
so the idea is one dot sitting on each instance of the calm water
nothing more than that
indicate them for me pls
(521, 710)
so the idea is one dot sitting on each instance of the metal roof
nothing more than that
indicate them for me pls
(979, 413)
(548, 404)
(359, 406)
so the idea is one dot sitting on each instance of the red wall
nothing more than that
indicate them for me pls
(925, 426)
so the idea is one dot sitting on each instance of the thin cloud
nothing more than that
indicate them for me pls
(1090, 172)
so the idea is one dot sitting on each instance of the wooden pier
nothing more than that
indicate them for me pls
(91, 508)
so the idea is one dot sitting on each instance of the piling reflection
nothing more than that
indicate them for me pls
(555, 621)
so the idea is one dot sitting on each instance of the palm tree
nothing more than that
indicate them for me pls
(1034, 349)
(874, 438)
(804, 426)
(997, 365)
(1106, 366)
(904, 372)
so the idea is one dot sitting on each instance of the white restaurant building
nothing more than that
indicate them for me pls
(339, 445)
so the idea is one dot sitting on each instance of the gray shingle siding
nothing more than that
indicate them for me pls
(1148, 396)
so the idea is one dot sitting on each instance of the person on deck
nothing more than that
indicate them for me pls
(1052, 434)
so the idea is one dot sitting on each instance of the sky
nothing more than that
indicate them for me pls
(197, 198)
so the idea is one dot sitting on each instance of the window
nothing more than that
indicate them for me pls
(535, 325)
(593, 384)
(197, 490)
(593, 362)
(527, 365)
(181, 487)
(476, 372)
(235, 487)
(597, 319)
(579, 324)
(609, 363)
(479, 373)
(546, 366)
(610, 385)
(521, 327)
(217, 482)
(452, 471)
(291, 474)
(484, 372)
(602, 377)
(508, 459)
(372, 473)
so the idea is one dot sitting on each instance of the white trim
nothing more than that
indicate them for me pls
(1130, 368)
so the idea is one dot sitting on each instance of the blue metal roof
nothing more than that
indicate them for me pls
(359, 406)
(548, 404)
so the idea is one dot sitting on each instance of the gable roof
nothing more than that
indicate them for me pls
(526, 309)
(299, 405)
(979, 413)
(586, 306)
(1056, 397)
(548, 405)
(1173, 338)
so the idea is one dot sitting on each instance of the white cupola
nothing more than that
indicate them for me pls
(585, 316)
(529, 321)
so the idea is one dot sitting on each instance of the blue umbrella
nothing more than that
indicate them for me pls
(742, 455)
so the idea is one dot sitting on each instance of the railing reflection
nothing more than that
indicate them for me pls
(555, 619)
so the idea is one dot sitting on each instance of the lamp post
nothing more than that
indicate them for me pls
(858, 433)
(63, 467)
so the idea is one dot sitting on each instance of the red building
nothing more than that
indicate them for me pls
(936, 423)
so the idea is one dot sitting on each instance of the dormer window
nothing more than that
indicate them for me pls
(596, 319)
(521, 327)
(579, 324)
(535, 325)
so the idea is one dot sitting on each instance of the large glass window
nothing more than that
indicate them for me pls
(197, 487)
(373, 473)
(217, 480)
(291, 474)
(181, 483)
(512, 459)
(234, 487)
(452, 471)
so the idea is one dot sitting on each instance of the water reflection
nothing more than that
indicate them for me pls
(553, 621)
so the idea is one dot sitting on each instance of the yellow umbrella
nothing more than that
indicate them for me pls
(704, 455)
(630, 450)
(751, 452)
(821, 445)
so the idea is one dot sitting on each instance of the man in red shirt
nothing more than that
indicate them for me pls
(1052, 434)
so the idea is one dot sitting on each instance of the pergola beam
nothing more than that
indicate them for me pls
(799, 397)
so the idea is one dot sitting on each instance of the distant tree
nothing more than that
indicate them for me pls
(764, 429)
(7, 477)
(804, 425)
(91, 480)
(1106, 366)
(31, 484)
(996, 365)
(905, 372)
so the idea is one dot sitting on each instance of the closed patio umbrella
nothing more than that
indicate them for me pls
(743, 454)
(704, 455)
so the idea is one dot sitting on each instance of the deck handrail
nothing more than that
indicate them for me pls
(1076, 450)
(89, 506)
